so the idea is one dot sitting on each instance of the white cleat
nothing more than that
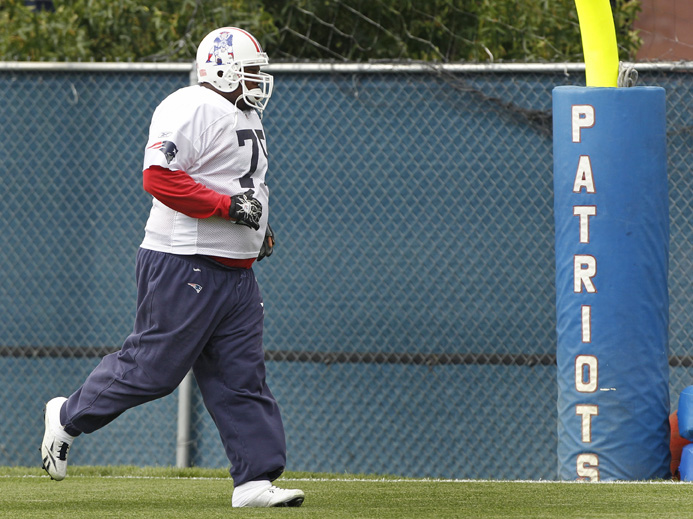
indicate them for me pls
(56, 442)
(274, 496)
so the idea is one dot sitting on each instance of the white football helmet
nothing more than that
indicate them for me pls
(222, 58)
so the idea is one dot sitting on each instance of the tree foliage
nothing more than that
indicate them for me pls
(120, 30)
(299, 30)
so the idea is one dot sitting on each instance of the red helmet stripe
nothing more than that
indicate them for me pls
(252, 38)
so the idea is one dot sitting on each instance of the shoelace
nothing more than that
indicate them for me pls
(62, 453)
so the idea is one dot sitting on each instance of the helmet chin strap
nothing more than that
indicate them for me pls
(247, 95)
(252, 94)
(235, 115)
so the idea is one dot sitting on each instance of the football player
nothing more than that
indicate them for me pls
(198, 304)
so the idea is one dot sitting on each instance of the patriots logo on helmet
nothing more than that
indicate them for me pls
(223, 49)
(168, 148)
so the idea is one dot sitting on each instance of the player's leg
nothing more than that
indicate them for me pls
(231, 375)
(174, 321)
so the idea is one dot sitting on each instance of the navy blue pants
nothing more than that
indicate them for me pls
(193, 313)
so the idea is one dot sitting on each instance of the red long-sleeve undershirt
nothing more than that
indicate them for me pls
(178, 191)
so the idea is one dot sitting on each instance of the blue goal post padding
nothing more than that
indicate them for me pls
(685, 413)
(611, 210)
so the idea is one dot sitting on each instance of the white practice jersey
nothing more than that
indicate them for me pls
(198, 131)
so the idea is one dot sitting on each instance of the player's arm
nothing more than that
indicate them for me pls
(267, 244)
(179, 191)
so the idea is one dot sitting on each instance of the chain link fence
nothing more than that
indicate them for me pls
(410, 318)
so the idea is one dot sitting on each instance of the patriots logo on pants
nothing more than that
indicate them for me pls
(168, 148)
(197, 287)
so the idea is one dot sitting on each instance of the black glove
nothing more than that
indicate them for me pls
(246, 209)
(267, 249)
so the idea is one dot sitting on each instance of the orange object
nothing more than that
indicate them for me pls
(676, 445)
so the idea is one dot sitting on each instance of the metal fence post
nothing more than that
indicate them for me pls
(184, 413)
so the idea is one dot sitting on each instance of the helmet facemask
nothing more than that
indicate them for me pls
(257, 97)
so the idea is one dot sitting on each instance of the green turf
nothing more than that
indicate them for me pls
(153, 493)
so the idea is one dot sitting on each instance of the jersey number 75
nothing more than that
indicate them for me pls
(255, 137)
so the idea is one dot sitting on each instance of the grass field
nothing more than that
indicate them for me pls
(153, 493)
